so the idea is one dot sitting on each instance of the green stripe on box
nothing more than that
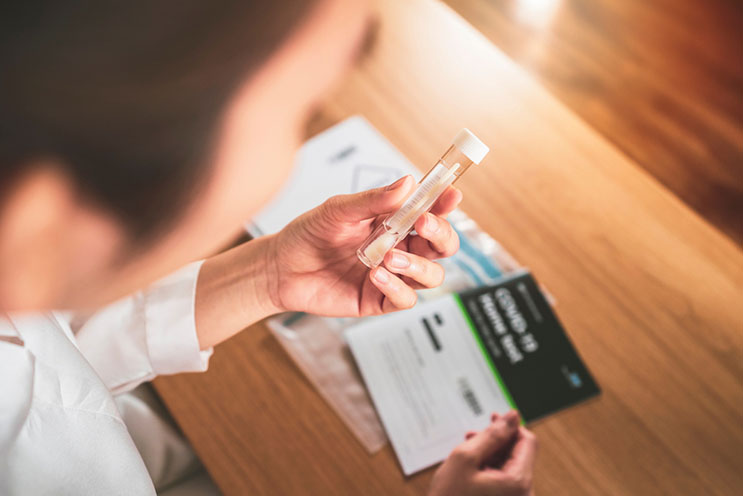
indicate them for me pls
(485, 353)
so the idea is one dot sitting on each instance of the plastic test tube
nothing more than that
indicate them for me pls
(465, 150)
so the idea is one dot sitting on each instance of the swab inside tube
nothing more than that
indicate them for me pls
(465, 151)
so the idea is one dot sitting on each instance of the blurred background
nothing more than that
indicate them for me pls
(662, 80)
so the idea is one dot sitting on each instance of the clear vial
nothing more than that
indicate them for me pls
(466, 149)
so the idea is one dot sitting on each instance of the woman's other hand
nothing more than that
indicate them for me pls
(497, 461)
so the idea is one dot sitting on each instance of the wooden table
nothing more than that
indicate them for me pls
(651, 295)
(660, 80)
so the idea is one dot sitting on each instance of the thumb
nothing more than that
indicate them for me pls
(370, 203)
(494, 437)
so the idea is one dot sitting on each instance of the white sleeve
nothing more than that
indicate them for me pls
(149, 333)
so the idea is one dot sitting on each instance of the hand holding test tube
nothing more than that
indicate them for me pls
(465, 150)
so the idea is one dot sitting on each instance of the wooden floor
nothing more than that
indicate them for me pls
(662, 80)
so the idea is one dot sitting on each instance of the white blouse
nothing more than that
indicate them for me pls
(60, 429)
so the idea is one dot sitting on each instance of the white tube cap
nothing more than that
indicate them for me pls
(470, 145)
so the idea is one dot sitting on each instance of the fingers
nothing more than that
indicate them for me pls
(448, 201)
(397, 294)
(523, 454)
(368, 204)
(504, 436)
(421, 270)
(497, 482)
(493, 438)
(436, 238)
(516, 474)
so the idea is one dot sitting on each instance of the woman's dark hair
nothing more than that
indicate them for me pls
(127, 95)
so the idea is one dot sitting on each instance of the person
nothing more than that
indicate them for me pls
(135, 138)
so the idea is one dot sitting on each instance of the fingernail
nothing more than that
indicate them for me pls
(432, 224)
(511, 418)
(382, 276)
(399, 261)
(396, 184)
(494, 417)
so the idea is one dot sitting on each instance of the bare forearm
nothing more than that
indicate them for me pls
(231, 292)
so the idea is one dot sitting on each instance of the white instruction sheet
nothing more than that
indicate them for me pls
(440, 369)
(428, 378)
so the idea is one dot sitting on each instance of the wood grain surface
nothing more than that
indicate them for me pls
(662, 80)
(650, 293)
